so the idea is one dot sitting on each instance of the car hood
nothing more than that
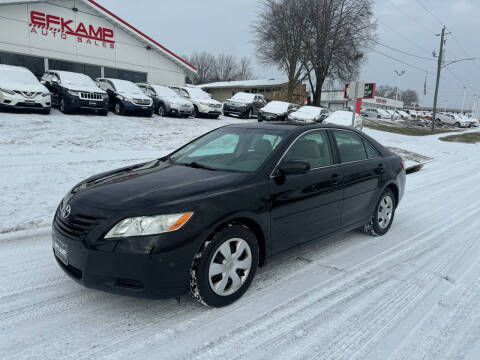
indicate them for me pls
(152, 185)
(207, 101)
(23, 87)
(86, 88)
(135, 95)
(303, 116)
(176, 100)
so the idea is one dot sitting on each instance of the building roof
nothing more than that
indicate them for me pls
(244, 84)
(127, 27)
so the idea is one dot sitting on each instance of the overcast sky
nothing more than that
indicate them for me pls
(186, 26)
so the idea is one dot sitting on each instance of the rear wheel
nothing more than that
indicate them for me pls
(383, 216)
(457, 124)
(225, 266)
(438, 122)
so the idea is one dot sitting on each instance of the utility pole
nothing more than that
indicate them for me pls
(463, 101)
(439, 69)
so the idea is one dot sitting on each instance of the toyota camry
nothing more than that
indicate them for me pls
(204, 218)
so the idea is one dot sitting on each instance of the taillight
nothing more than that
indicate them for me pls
(403, 164)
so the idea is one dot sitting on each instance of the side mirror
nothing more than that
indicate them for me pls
(294, 167)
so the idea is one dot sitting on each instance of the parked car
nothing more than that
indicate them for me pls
(375, 113)
(344, 118)
(73, 92)
(403, 115)
(244, 104)
(471, 121)
(413, 114)
(442, 118)
(20, 89)
(392, 114)
(457, 121)
(203, 218)
(309, 114)
(276, 111)
(166, 101)
(125, 97)
(203, 104)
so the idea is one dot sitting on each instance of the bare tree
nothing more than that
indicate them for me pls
(245, 70)
(280, 37)
(409, 97)
(337, 34)
(204, 62)
(225, 68)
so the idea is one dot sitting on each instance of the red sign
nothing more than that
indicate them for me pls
(52, 25)
(381, 101)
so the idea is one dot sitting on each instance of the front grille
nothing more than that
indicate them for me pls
(216, 106)
(91, 96)
(75, 225)
(28, 94)
(25, 104)
(141, 101)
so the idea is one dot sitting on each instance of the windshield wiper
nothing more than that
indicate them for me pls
(197, 165)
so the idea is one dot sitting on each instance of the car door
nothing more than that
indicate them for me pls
(306, 206)
(363, 171)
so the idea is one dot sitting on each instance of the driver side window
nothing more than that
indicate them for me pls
(312, 147)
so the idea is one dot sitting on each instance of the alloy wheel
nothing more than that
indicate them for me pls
(117, 108)
(161, 110)
(230, 266)
(385, 211)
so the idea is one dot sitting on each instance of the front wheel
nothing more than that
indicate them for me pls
(118, 108)
(161, 110)
(249, 114)
(225, 266)
(64, 108)
(383, 216)
(457, 124)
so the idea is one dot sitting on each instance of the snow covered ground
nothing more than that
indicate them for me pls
(412, 294)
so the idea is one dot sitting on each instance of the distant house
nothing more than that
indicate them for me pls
(272, 89)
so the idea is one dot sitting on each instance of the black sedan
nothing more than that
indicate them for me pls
(203, 218)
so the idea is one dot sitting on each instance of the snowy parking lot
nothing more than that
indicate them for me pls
(412, 294)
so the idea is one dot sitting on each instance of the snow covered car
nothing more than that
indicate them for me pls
(442, 118)
(203, 104)
(413, 114)
(20, 89)
(125, 97)
(203, 218)
(276, 111)
(471, 121)
(374, 113)
(344, 118)
(166, 101)
(403, 115)
(456, 120)
(244, 105)
(73, 92)
(309, 114)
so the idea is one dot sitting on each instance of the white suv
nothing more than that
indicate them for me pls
(20, 89)
(203, 103)
(375, 113)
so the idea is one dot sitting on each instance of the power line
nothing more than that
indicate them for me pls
(403, 36)
(403, 52)
(419, 23)
(431, 13)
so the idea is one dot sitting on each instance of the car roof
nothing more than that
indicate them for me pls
(288, 126)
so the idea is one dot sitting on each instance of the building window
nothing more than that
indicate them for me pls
(34, 63)
(133, 76)
(94, 71)
(261, 90)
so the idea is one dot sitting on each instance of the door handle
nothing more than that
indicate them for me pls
(335, 179)
(380, 169)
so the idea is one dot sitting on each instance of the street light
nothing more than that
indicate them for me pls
(399, 73)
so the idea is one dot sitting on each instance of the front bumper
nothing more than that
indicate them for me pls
(18, 101)
(180, 110)
(133, 108)
(210, 110)
(76, 103)
(158, 275)
(239, 110)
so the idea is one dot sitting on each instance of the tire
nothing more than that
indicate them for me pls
(385, 208)
(457, 124)
(161, 110)
(249, 114)
(195, 111)
(226, 114)
(378, 117)
(118, 108)
(438, 122)
(214, 278)
(64, 108)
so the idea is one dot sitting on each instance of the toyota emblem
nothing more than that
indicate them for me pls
(66, 211)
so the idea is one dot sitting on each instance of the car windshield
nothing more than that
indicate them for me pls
(229, 149)
(76, 79)
(17, 76)
(243, 97)
(126, 86)
(164, 91)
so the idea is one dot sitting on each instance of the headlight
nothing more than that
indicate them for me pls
(45, 94)
(205, 104)
(148, 225)
(11, 92)
(73, 93)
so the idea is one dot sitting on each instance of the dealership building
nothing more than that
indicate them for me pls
(83, 36)
(334, 100)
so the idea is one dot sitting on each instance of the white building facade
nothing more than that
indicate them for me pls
(334, 100)
(83, 36)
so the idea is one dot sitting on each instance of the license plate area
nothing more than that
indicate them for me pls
(92, 103)
(61, 250)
